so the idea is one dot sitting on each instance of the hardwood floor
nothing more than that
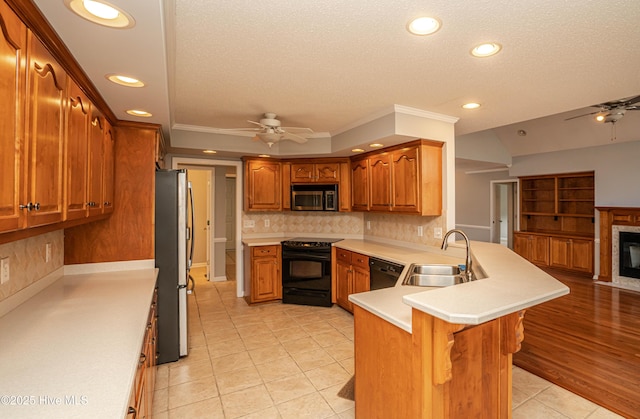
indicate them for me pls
(587, 342)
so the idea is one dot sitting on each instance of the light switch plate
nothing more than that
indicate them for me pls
(249, 223)
(4, 270)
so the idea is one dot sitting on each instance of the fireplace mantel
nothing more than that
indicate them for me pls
(610, 216)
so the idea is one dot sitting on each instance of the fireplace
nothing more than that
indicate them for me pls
(629, 251)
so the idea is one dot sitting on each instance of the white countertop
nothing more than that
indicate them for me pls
(509, 283)
(72, 350)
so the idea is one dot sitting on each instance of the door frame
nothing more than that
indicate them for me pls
(512, 213)
(204, 164)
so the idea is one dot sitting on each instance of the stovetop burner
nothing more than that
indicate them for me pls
(309, 242)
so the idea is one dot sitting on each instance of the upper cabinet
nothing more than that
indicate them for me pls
(13, 53)
(403, 179)
(95, 183)
(108, 174)
(320, 172)
(77, 152)
(46, 91)
(262, 185)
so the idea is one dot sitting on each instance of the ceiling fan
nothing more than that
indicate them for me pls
(270, 131)
(613, 111)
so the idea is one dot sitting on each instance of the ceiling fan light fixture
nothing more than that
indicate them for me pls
(424, 25)
(101, 13)
(486, 49)
(600, 117)
(124, 80)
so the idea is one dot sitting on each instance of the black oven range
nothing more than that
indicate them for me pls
(306, 271)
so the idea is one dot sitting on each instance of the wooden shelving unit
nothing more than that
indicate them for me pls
(558, 209)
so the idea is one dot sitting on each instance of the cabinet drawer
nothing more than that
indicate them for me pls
(261, 251)
(343, 256)
(360, 261)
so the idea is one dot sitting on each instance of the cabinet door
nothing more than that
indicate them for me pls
(108, 174)
(344, 191)
(360, 185)
(78, 115)
(540, 250)
(95, 168)
(47, 82)
(361, 280)
(302, 173)
(560, 255)
(380, 185)
(263, 186)
(264, 279)
(521, 245)
(344, 285)
(405, 182)
(327, 172)
(13, 43)
(582, 255)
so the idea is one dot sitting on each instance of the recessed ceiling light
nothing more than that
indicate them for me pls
(471, 105)
(101, 12)
(264, 155)
(522, 133)
(209, 151)
(138, 112)
(124, 80)
(486, 49)
(424, 25)
(376, 145)
(357, 150)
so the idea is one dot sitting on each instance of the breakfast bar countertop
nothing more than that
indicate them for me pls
(508, 284)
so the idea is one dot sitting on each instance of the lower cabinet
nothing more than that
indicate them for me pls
(142, 393)
(263, 281)
(352, 276)
(565, 252)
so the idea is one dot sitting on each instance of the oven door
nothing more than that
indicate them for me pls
(306, 271)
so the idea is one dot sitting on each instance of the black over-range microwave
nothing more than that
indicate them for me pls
(311, 197)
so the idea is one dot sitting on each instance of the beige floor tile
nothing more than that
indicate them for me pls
(567, 403)
(330, 338)
(247, 401)
(308, 318)
(254, 329)
(162, 376)
(318, 327)
(289, 388)
(312, 405)
(341, 351)
(533, 409)
(160, 400)
(227, 347)
(209, 408)
(270, 413)
(195, 355)
(348, 365)
(529, 384)
(268, 353)
(349, 414)
(602, 413)
(312, 359)
(337, 403)
(161, 415)
(221, 335)
(300, 345)
(260, 341)
(231, 362)
(328, 375)
(278, 368)
(293, 332)
(192, 392)
(240, 379)
(197, 339)
(186, 372)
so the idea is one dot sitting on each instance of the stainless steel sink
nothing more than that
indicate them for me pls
(434, 275)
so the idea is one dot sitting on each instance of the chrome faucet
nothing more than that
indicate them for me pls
(468, 272)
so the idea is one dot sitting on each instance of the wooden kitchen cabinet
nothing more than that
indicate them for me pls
(263, 280)
(78, 118)
(108, 174)
(45, 136)
(262, 185)
(533, 247)
(95, 168)
(352, 276)
(315, 172)
(13, 52)
(403, 179)
(571, 253)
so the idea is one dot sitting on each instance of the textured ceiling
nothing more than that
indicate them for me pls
(327, 64)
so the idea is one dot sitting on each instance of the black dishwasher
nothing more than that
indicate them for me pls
(383, 274)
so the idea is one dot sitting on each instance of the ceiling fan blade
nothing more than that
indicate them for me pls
(294, 137)
(258, 124)
(580, 116)
(240, 129)
(298, 130)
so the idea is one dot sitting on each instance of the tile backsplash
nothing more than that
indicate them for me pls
(27, 260)
(300, 223)
(403, 229)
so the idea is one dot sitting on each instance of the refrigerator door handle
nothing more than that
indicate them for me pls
(190, 232)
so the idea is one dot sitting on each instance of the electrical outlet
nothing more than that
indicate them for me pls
(4, 270)
(47, 253)
(420, 231)
(267, 223)
(249, 224)
(437, 233)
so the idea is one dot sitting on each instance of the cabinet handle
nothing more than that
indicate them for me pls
(30, 206)
(132, 411)
(143, 358)
(107, 204)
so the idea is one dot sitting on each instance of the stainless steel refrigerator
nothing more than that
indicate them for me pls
(174, 249)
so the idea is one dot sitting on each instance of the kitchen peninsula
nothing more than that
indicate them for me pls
(443, 352)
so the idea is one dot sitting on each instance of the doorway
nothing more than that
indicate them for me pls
(218, 243)
(504, 211)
